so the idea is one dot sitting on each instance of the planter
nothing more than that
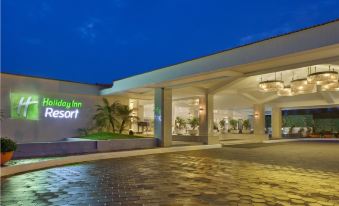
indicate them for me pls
(314, 135)
(6, 156)
(246, 131)
(193, 132)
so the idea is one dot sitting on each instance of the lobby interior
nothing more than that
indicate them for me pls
(273, 88)
(276, 114)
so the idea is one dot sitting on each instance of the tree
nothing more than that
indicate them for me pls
(1, 115)
(233, 123)
(246, 123)
(125, 115)
(193, 122)
(222, 124)
(180, 123)
(105, 116)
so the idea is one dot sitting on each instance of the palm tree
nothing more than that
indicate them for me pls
(105, 114)
(1, 115)
(125, 114)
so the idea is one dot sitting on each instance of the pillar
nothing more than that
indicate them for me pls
(259, 119)
(206, 118)
(276, 123)
(163, 116)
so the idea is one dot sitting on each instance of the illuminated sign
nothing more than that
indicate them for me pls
(27, 106)
(24, 106)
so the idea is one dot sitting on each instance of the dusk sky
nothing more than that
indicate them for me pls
(98, 41)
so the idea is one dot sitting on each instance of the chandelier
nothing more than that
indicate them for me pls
(330, 87)
(314, 82)
(271, 85)
(323, 77)
(302, 86)
(286, 91)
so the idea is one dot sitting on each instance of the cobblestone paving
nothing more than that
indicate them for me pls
(186, 178)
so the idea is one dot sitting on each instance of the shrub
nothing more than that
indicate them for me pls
(222, 124)
(83, 131)
(233, 123)
(246, 124)
(7, 145)
(180, 123)
(193, 122)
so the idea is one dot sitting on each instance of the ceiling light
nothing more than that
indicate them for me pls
(323, 77)
(330, 87)
(271, 86)
(301, 86)
(286, 91)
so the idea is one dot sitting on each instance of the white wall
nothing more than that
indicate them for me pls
(48, 129)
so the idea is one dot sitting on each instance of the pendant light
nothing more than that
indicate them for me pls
(323, 77)
(271, 85)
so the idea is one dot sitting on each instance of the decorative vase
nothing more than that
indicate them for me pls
(6, 156)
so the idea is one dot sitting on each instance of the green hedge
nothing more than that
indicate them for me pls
(327, 125)
(298, 120)
(307, 121)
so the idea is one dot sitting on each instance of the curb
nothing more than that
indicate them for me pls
(12, 170)
(301, 139)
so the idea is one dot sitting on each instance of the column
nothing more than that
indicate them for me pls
(259, 119)
(206, 118)
(276, 123)
(163, 116)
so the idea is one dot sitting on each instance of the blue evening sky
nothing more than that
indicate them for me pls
(102, 40)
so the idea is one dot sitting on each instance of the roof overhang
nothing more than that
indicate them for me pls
(306, 47)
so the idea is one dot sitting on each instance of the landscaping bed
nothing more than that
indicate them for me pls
(111, 136)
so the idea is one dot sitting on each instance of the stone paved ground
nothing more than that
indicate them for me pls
(256, 174)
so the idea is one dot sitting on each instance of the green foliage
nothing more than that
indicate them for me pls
(180, 123)
(328, 125)
(1, 115)
(193, 122)
(125, 115)
(105, 116)
(318, 125)
(110, 136)
(297, 120)
(222, 124)
(83, 131)
(233, 123)
(246, 124)
(7, 145)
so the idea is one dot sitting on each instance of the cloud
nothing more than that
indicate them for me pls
(89, 29)
(309, 13)
(40, 10)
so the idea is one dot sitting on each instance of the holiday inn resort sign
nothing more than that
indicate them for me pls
(29, 106)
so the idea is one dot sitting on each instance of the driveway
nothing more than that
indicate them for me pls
(295, 173)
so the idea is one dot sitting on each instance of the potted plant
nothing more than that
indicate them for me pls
(308, 131)
(247, 125)
(222, 125)
(194, 123)
(234, 124)
(180, 124)
(301, 132)
(215, 127)
(8, 146)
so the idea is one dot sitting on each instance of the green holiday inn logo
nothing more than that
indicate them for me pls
(28, 106)
(24, 106)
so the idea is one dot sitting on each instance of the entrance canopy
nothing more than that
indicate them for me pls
(317, 45)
